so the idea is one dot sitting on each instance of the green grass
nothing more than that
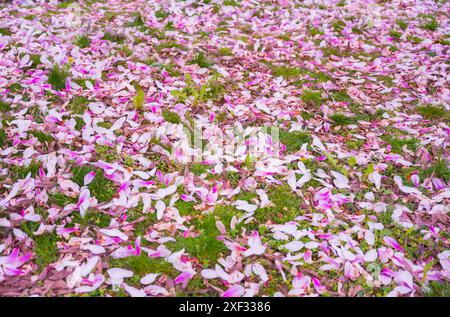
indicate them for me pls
(64, 4)
(53, 98)
(288, 72)
(431, 25)
(92, 218)
(161, 14)
(225, 51)
(233, 178)
(285, 71)
(330, 51)
(438, 289)
(199, 169)
(306, 115)
(139, 98)
(82, 41)
(395, 34)
(311, 97)
(29, 227)
(313, 31)
(35, 59)
(341, 119)
(212, 90)
(102, 188)
(169, 45)
(20, 172)
(57, 77)
(338, 26)
(61, 199)
(307, 75)
(232, 3)
(398, 144)
(433, 112)
(275, 283)
(106, 125)
(140, 229)
(204, 247)
(414, 39)
(78, 105)
(286, 206)
(171, 67)
(137, 21)
(443, 42)
(3, 136)
(79, 123)
(45, 249)
(169, 26)
(319, 76)
(439, 169)
(357, 30)
(402, 24)
(42, 136)
(143, 265)
(4, 106)
(126, 50)
(82, 82)
(109, 15)
(171, 117)
(192, 289)
(5, 31)
(16, 87)
(285, 37)
(201, 60)
(112, 37)
(185, 208)
(103, 152)
(294, 140)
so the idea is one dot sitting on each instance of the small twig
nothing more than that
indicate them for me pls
(217, 289)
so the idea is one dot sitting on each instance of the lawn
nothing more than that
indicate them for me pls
(224, 148)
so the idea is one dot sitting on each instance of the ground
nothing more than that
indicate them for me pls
(99, 102)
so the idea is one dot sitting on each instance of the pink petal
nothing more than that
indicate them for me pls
(234, 291)
(393, 243)
(88, 178)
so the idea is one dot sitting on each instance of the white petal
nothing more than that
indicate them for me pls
(293, 246)
(149, 278)
(371, 255)
(340, 180)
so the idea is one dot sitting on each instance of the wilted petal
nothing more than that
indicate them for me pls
(391, 242)
(234, 291)
(134, 292)
(89, 177)
(340, 180)
(149, 278)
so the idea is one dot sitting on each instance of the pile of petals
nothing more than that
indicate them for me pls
(98, 100)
